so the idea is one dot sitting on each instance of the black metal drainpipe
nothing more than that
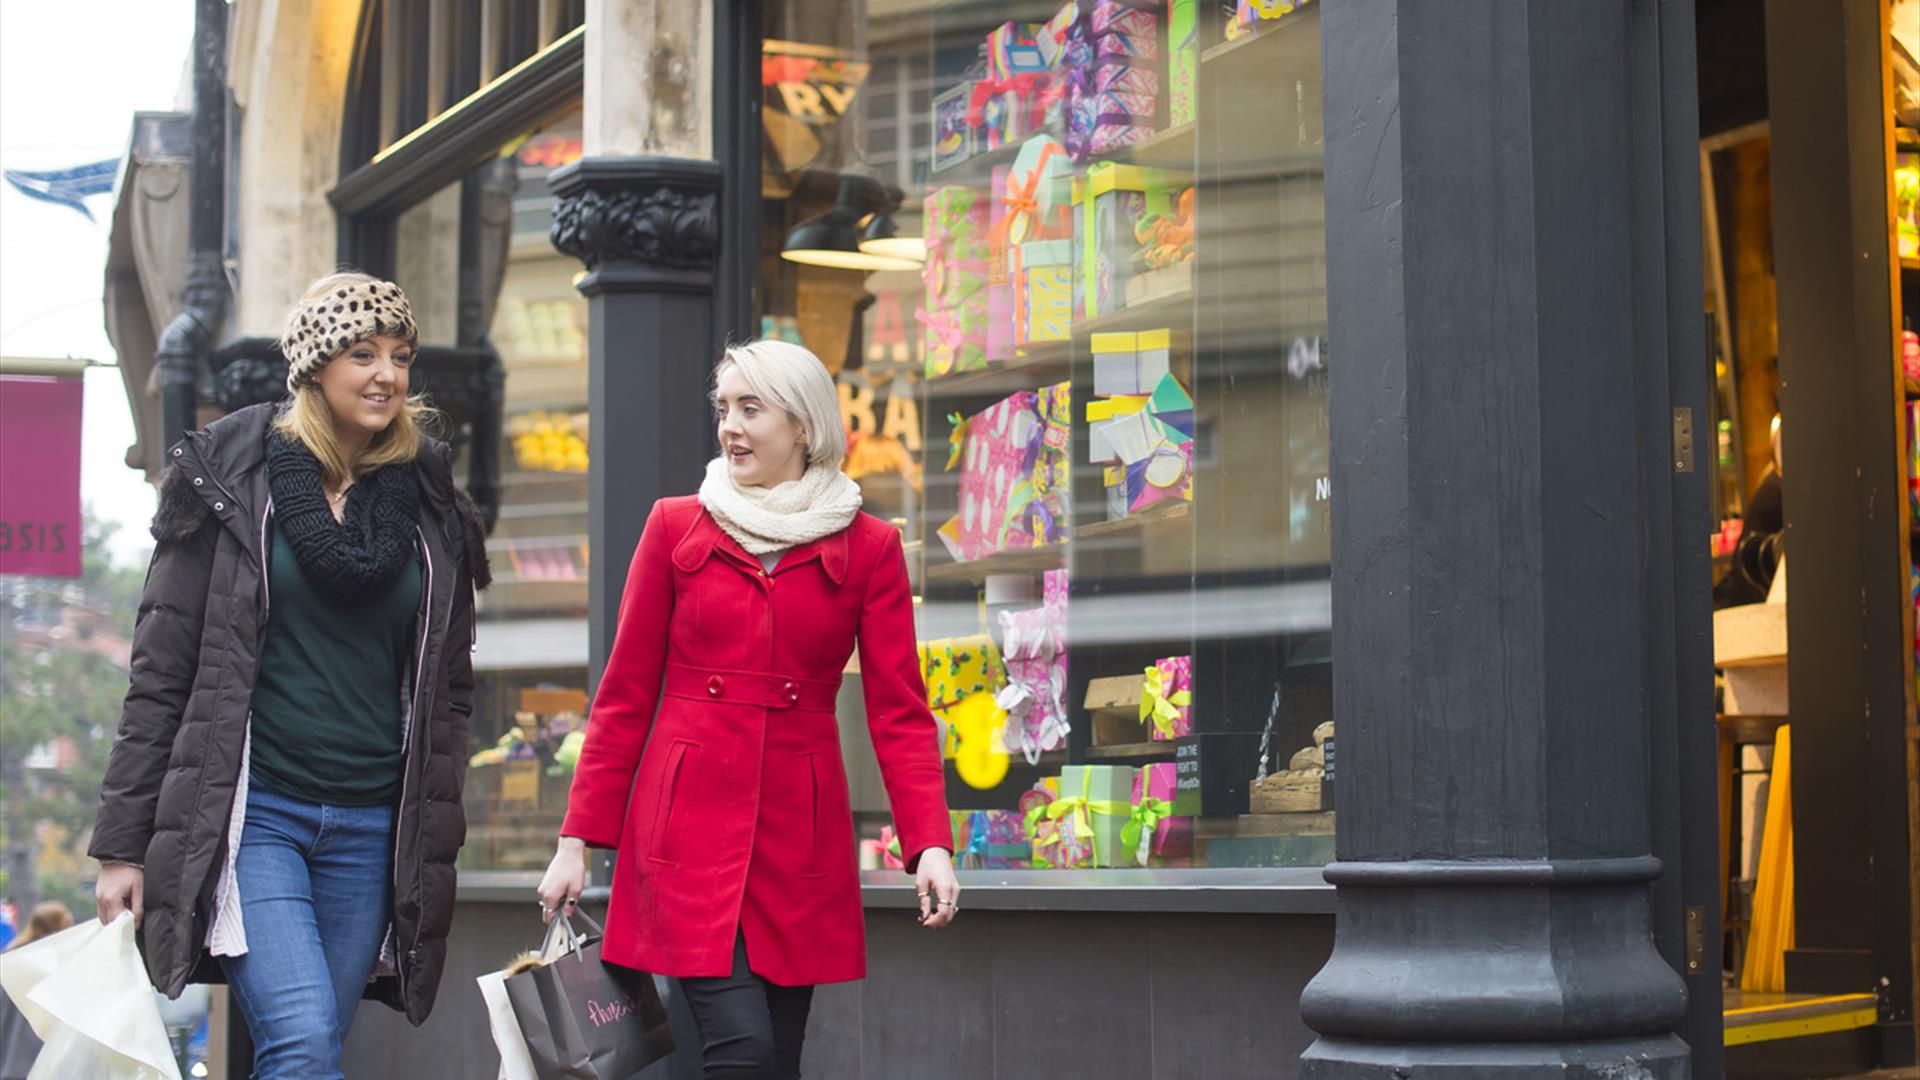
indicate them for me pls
(185, 341)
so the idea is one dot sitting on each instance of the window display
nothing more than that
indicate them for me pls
(1104, 403)
(478, 254)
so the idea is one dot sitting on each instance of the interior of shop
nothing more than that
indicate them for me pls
(1067, 264)
(1817, 851)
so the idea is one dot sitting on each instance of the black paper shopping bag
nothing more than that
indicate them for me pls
(585, 1019)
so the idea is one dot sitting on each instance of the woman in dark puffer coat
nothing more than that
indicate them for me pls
(281, 810)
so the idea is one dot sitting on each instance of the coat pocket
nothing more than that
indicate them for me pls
(661, 832)
(814, 867)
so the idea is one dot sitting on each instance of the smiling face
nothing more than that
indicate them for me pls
(762, 442)
(366, 387)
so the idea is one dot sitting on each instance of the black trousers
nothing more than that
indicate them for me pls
(750, 1029)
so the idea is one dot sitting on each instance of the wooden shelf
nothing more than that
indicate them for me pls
(1140, 751)
(1172, 510)
(1021, 561)
(1174, 310)
(1170, 149)
(1039, 365)
(1910, 266)
(1750, 728)
(1304, 823)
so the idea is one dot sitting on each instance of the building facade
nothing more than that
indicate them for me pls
(1291, 414)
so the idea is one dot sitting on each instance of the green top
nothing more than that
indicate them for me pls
(327, 704)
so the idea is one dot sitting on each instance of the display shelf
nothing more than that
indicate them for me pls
(1910, 266)
(1173, 310)
(1021, 561)
(1044, 363)
(1303, 823)
(1140, 751)
(1168, 149)
(1240, 49)
(1178, 510)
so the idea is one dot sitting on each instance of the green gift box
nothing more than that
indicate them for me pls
(1101, 796)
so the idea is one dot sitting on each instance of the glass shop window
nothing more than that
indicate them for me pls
(1068, 266)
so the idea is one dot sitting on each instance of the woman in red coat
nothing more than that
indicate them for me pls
(728, 805)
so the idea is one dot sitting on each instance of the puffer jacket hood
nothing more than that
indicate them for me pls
(170, 783)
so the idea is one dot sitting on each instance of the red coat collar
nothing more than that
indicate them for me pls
(706, 537)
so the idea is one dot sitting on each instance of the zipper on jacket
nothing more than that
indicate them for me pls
(403, 951)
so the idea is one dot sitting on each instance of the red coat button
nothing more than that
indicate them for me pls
(716, 686)
(793, 693)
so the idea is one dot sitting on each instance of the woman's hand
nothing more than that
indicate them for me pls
(566, 876)
(939, 889)
(119, 889)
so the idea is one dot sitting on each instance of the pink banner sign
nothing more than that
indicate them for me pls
(40, 476)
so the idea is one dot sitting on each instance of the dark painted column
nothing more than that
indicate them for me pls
(1847, 635)
(1502, 366)
(647, 230)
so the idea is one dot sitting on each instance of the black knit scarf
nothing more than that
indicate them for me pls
(346, 560)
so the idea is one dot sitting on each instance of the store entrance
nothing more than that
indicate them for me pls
(1810, 171)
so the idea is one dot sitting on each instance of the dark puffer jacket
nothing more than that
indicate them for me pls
(170, 784)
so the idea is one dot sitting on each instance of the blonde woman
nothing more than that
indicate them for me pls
(282, 806)
(729, 807)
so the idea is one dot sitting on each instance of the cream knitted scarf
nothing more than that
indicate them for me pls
(766, 520)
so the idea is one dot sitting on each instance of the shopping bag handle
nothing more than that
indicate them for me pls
(562, 924)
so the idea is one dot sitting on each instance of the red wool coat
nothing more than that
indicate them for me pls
(729, 806)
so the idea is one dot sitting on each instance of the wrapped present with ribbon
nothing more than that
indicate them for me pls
(1087, 820)
(1007, 846)
(1183, 61)
(1107, 202)
(1124, 78)
(1104, 108)
(1139, 48)
(1005, 110)
(996, 465)
(1033, 641)
(1012, 50)
(1038, 193)
(955, 669)
(1152, 830)
(1166, 698)
(1051, 37)
(1043, 291)
(1121, 17)
(954, 314)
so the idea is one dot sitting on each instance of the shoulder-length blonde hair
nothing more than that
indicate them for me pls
(790, 377)
(306, 416)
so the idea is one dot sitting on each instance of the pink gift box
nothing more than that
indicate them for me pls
(955, 276)
(1117, 17)
(1126, 46)
(1110, 137)
(1122, 77)
(1172, 837)
(1176, 676)
(996, 455)
(1034, 647)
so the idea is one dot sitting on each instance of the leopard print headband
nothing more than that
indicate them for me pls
(324, 327)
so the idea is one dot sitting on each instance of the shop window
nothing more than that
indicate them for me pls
(476, 261)
(1086, 376)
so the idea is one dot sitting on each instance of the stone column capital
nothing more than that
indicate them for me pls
(645, 218)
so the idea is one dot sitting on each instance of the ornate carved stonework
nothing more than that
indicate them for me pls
(662, 212)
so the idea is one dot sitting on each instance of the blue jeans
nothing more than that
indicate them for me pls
(314, 897)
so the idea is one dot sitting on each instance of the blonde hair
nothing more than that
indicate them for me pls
(790, 377)
(307, 418)
(49, 918)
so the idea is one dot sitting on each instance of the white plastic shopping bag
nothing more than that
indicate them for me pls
(86, 994)
(516, 1061)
